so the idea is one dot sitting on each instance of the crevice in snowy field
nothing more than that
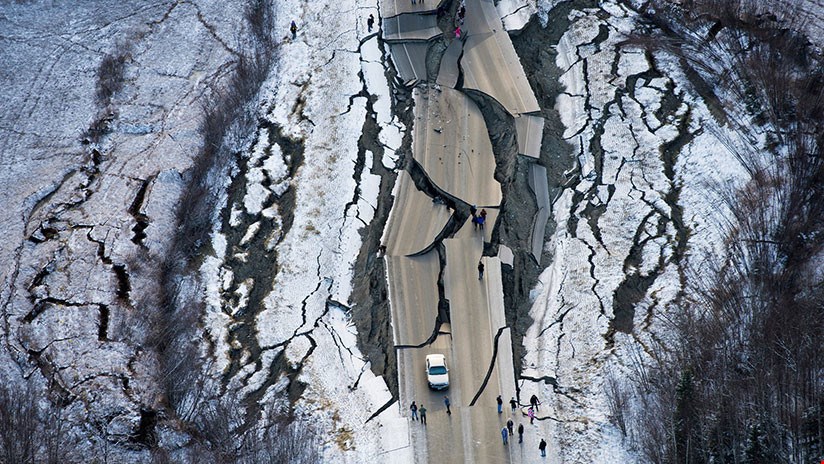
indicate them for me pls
(103, 325)
(43, 304)
(636, 283)
(547, 380)
(281, 364)
(141, 220)
(669, 154)
(556, 388)
(212, 29)
(124, 285)
(338, 340)
(515, 11)
(41, 275)
(381, 409)
(40, 234)
(253, 260)
(595, 280)
(371, 313)
(145, 434)
(593, 211)
(559, 319)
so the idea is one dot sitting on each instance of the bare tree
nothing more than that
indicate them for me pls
(745, 379)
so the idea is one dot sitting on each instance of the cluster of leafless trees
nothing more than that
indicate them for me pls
(744, 381)
(34, 431)
(31, 431)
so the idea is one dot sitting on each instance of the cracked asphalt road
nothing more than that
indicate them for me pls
(439, 303)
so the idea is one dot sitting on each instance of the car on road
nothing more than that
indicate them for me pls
(437, 374)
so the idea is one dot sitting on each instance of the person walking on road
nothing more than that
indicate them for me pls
(510, 426)
(513, 403)
(480, 277)
(533, 400)
(446, 403)
(542, 447)
(500, 404)
(414, 408)
(505, 435)
(370, 22)
(520, 433)
(423, 414)
(531, 413)
(293, 28)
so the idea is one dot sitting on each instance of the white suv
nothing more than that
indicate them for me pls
(436, 372)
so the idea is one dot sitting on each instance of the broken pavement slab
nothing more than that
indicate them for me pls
(410, 27)
(415, 221)
(390, 8)
(539, 185)
(487, 51)
(410, 60)
(450, 70)
(529, 131)
(451, 143)
(413, 291)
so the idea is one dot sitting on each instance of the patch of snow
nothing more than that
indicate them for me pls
(515, 14)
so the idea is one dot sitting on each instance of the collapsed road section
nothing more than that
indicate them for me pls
(443, 272)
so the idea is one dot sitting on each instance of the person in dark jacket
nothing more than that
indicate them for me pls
(370, 22)
(520, 433)
(542, 447)
(293, 28)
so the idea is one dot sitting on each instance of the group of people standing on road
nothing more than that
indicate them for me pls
(509, 429)
(418, 410)
(419, 413)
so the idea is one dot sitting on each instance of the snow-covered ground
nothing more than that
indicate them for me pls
(645, 207)
(314, 98)
(78, 262)
(79, 206)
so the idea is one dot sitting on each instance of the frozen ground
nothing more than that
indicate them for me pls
(93, 173)
(92, 178)
(641, 210)
(82, 167)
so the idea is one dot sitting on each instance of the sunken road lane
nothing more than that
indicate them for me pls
(452, 148)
